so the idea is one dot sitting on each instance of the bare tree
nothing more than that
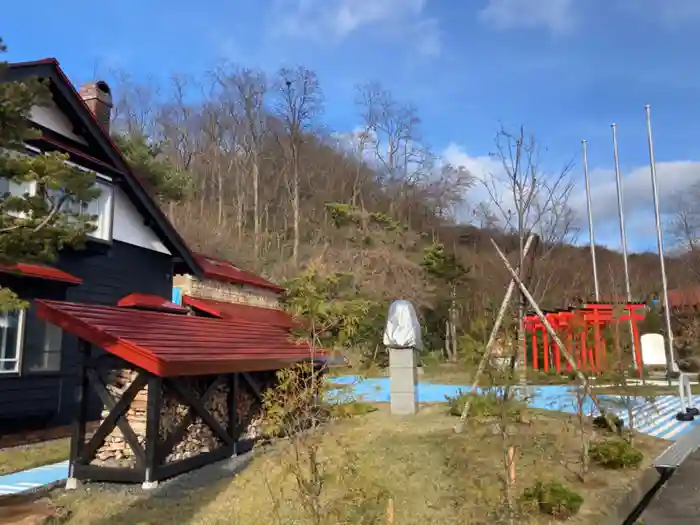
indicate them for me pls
(300, 101)
(242, 92)
(684, 227)
(401, 160)
(526, 199)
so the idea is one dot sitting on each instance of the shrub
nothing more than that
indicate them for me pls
(484, 405)
(553, 498)
(601, 423)
(615, 454)
(345, 410)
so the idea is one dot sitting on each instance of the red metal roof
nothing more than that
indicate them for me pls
(684, 298)
(222, 270)
(40, 271)
(177, 345)
(143, 301)
(241, 312)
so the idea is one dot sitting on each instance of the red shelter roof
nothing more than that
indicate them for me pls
(241, 312)
(144, 301)
(222, 270)
(40, 271)
(177, 345)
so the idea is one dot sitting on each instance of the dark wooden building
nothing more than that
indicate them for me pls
(134, 249)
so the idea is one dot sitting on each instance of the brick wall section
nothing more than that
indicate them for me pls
(229, 293)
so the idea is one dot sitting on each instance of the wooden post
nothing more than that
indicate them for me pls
(535, 350)
(232, 426)
(604, 350)
(77, 443)
(511, 464)
(595, 355)
(390, 512)
(154, 405)
(524, 351)
(492, 339)
(637, 347)
(545, 355)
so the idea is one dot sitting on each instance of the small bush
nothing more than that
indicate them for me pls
(551, 377)
(483, 405)
(601, 423)
(345, 410)
(615, 454)
(554, 499)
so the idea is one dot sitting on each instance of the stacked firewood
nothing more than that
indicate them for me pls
(116, 452)
(198, 438)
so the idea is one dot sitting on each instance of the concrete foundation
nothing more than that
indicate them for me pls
(403, 379)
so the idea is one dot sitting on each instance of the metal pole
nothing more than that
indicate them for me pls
(591, 235)
(623, 234)
(670, 356)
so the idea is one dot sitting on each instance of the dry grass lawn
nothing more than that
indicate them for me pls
(417, 465)
(25, 457)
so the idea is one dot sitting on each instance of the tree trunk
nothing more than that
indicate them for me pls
(453, 324)
(256, 206)
(295, 206)
(220, 197)
(521, 350)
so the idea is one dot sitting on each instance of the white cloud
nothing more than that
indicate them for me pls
(339, 19)
(557, 16)
(672, 178)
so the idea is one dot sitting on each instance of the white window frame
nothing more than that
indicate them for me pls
(103, 208)
(19, 345)
(104, 203)
(52, 333)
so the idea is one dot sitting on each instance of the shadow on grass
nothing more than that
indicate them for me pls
(176, 501)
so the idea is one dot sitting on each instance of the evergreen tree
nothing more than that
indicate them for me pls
(147, 159)
(35, 225)
(445, 269)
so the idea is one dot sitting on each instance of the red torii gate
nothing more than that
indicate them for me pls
(576, 324)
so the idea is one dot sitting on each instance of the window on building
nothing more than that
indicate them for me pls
(15, 190)
(11, 332)
(29, 344)
(41, 351)
(102, 207)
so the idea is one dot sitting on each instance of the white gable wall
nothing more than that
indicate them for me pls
(53, 118)
(129, 226)
(127, 223)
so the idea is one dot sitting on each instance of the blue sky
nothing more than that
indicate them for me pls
(564, 68)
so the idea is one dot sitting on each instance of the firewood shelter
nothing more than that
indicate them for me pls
(179, 391)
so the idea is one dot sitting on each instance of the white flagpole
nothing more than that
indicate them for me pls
(671, 357)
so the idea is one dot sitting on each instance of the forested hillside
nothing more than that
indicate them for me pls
(246, 169)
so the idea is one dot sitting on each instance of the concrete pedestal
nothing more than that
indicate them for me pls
(403, 379)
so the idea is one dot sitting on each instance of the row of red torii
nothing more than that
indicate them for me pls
(575, 328)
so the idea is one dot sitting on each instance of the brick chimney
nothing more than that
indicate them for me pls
(98, 98)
